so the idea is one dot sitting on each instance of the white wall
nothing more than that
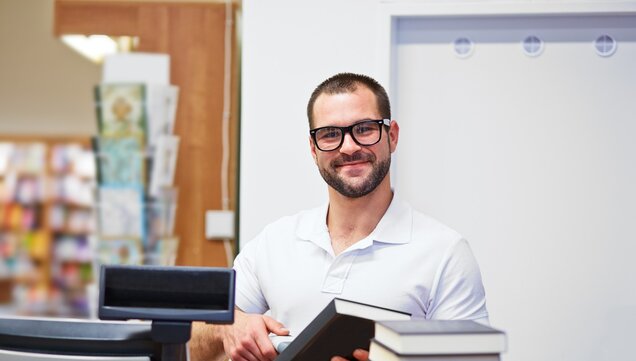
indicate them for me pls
(289, 48)
(530, 159)
(45, 87)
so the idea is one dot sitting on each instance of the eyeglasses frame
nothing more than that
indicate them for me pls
(348, 129)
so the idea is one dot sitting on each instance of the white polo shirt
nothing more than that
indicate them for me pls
(410, 262)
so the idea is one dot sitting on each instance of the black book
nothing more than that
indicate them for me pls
(340, 328)
(379, 352)
(439, 337)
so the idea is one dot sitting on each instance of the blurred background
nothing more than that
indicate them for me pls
(95, 156)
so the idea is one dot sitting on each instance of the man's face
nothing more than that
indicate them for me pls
(352, 170)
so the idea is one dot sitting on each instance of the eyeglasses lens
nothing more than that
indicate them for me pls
(364, 133)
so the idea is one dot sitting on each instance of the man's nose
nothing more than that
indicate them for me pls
(349, 146)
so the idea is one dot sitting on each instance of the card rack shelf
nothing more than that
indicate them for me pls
(135, 162)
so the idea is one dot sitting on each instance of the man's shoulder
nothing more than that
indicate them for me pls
(292, 227)
(428, 227)
(292, 221)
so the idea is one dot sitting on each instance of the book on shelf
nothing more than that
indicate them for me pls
(340, 328)
(6, 150)
(379, 352)
(439, 337)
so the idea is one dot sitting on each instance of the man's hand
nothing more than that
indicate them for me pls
(359, 354)
(248, 338)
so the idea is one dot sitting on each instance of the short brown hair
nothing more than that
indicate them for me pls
(348, 83)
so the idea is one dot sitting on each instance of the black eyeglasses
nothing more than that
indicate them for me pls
(365, 133)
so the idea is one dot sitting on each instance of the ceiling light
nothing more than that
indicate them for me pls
(95, 47)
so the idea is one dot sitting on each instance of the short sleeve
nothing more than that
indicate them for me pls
(458, 291)
(249, 295)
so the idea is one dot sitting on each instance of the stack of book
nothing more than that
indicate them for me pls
(436, 340)
(340, 328)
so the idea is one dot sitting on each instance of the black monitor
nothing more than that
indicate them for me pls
(42, 338)
(167, 293)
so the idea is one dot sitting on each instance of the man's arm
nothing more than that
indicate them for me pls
(206, 343)
(246, 339)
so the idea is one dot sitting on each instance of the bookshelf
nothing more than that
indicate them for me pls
(46, 210)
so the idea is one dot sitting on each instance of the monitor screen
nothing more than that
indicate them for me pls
(167, 293)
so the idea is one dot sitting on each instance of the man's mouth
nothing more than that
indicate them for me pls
(351, 164)
(352, 160)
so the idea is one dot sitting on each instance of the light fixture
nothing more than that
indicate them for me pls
(95, 47)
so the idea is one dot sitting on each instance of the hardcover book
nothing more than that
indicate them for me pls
(439, 337)
(379, 352)
(340, 328)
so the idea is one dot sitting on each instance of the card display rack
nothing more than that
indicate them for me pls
(136, 156)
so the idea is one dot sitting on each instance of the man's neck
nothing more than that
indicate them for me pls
(351, 219)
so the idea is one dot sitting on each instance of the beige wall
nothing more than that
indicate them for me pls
(45, 87)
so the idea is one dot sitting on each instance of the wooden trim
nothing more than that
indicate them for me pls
(94, 17)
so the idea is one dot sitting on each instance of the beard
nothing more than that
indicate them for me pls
(371, 182)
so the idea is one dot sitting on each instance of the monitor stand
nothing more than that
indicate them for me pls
(173, 336)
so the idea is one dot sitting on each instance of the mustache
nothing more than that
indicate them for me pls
(351, 158)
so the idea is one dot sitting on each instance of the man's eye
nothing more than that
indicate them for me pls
(329, 134)
(362, 129)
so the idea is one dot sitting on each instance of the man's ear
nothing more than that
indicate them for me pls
(394, 134)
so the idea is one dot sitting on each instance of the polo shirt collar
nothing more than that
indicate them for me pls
(396, 224)
(394, 227)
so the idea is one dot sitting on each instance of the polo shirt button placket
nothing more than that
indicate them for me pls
(338, 272)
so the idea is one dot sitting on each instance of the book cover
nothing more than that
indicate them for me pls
(161, 102)
(120, 161)
(379, 352)
(164, 163)
(440, 337)
(120, 251)
(340, 328)
(121, 110)
(120, 212)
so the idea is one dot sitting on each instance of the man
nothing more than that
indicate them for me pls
(363, 245)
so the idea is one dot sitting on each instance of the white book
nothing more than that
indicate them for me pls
(6, 150)
(439, 337)
(379, 352)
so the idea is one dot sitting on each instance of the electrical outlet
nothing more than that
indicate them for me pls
(219, 224)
